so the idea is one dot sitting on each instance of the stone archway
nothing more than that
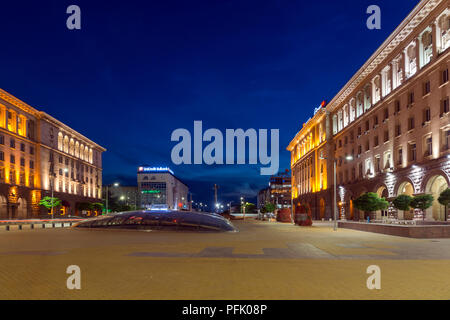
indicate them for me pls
(3, 207)
(382, 192)
(405, 188)
(22, 209)
(434, 186)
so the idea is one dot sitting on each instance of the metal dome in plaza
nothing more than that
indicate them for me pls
(160, 220)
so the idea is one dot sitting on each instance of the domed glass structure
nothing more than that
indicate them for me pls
(160, 220)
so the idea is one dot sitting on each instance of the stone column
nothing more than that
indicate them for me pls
(435, 37)
(418, 60)
(404, 66)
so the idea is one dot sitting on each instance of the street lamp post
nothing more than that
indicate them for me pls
(349, 158)
(116, 184)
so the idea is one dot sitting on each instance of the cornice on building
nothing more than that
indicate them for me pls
(306, 126)
(41, 115)
(66, 128)
(400, 34)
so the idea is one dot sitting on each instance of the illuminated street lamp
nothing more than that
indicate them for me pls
(348, 158)
(115, 184)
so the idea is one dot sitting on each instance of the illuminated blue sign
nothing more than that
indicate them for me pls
(154, 170)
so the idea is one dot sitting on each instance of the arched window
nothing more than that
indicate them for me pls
(86, 154)
(66, 144)
(60, 141)
(77, 149)
(90, 156)
(71, 146)
(82, 151)
(2, 116)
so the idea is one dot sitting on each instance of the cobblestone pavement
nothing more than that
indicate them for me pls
(262, 261)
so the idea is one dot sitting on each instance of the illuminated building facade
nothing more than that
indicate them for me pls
(159, 186)
(392, 119)
(39, 153)
(309, 165)
(280, 190)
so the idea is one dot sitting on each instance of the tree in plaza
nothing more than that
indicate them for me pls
(269, 207)
(369, 202)
(49, 202)
(444, 199)
(422, 202)
(250, 207)
(402, 202)
(97, 206)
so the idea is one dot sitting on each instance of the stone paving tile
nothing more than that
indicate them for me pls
(262, 261)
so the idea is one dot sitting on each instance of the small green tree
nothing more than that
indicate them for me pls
(370, 202)
(422, 202)
(269, 207)
(444, 199)
(50, 202)
(97, 206)
(402, 202)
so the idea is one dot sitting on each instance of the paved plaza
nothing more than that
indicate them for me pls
(262, 261)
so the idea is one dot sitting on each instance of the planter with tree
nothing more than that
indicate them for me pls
(444, 199)
(422, 202)
(50, 204)
(403, 203)
(370, 202)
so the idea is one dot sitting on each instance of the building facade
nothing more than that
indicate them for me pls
(391, 119)
(38, 155)
(159, 186)
(278, 192)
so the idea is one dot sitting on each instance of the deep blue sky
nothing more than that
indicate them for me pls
(137, 70)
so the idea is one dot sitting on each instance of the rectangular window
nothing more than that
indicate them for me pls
(400, 156)
(412, 152)
(411, 98)
(386, 135)
(2, 139)
(22, 162)
(22, 147)
(12, 159)
(2, 156)
(444, 107)
(386, 114)
(444, 76)
(367, 126)
(410, 123)
(31, 150)
(31, 164)
(427, 115)
(426, 88)
(447, 140)
(375, 140)
(398, 130)
(428, 146)
(12, 143)
(397, 106)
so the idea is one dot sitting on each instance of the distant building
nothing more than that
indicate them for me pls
(39, 154)
(278, 192)
(159, 186)
(263, 197)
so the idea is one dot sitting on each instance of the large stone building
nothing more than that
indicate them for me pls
(39, 154)
(391, 119)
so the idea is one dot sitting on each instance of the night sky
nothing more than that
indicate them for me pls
(137, 70)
